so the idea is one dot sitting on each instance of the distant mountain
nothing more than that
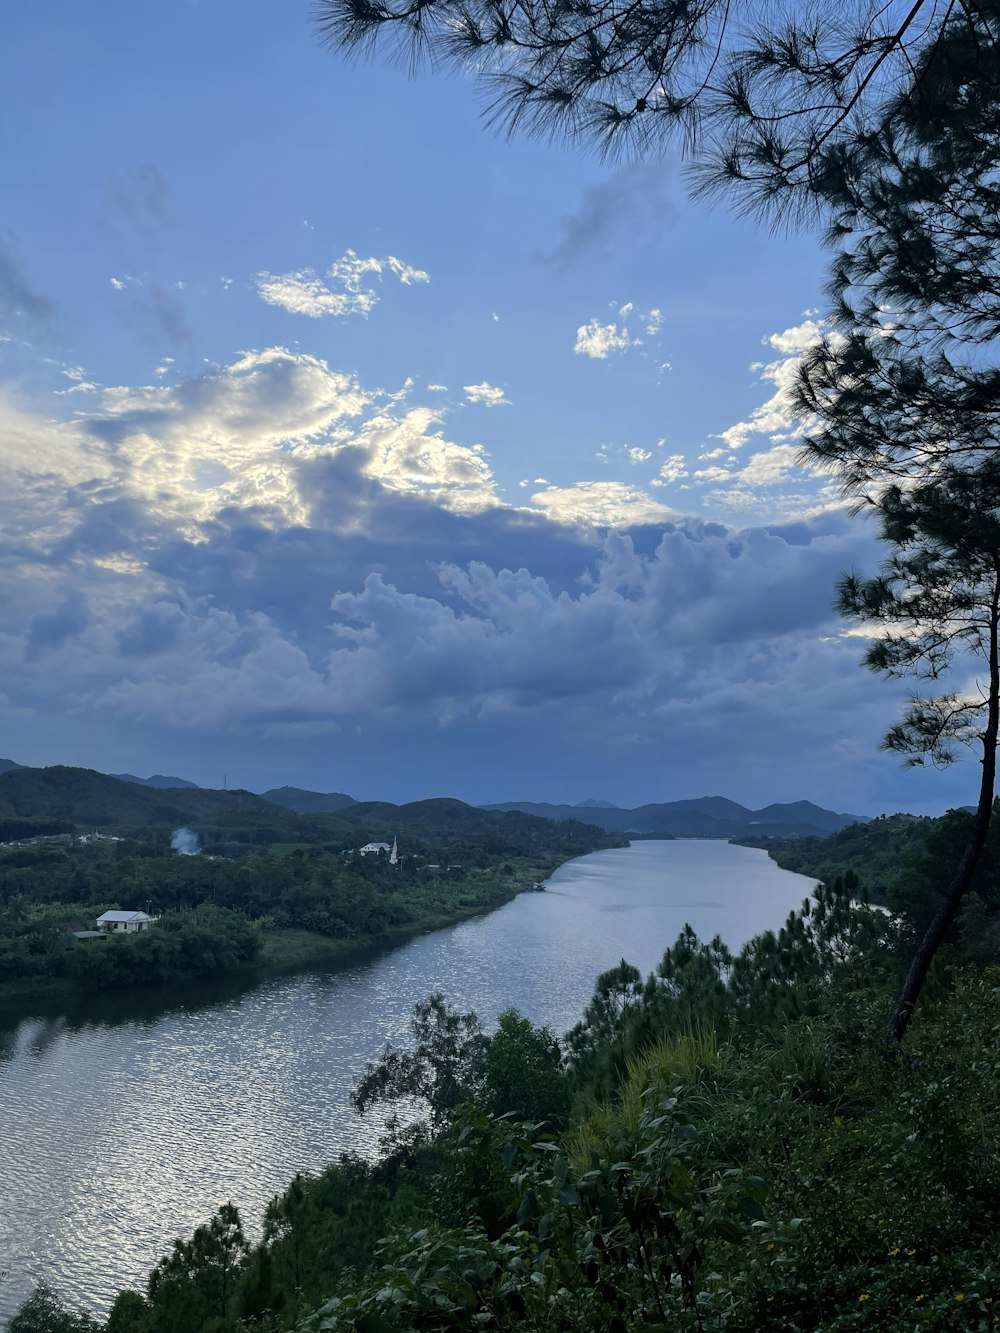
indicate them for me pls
(595, 805)
(705, 817)
(309, 802)
(443, 814)
(157, 780)
(86, 797)
(7, 765)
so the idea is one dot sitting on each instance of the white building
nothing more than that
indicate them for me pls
(375, 848)
(114, 922)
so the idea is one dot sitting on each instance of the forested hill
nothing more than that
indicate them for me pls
(82, 796)
(497, 830)
(878, 852)
(704, 817)
(309, 802)
(904, 861)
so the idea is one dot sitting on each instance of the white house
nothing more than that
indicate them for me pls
(127, 921)
(374, 847)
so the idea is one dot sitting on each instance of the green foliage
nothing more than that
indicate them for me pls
(875, 851)
(194, 1285)
(43, 1312)
(265, 905)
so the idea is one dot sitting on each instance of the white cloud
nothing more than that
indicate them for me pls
(305, 293)
(437, 388)
(599, 341)
(776, 416)
(406, 273)
(601, 503)
(771, 467)
(485, 395)
(639, 455)
(674, 468)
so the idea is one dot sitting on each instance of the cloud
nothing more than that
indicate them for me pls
(639, 455)
(272, 550)
(601, 503)
(304, 293)
(485, 395)
(599, 341)
(636, 200)
(674, 468)
(140, 195)
(18, 299)
(776, 416)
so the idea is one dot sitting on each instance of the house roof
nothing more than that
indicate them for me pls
(375, 847)
(124, 916)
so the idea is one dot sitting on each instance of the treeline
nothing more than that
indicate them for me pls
(719, 1146)
(47, 892)
(901, 862)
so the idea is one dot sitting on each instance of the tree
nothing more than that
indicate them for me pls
(767, 100)
(903, 400)
(937, 600)
(44, 1312)
(597, 1045)
(196, 1281)
(439, 1073)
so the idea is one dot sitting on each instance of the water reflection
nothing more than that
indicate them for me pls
(128, 1119)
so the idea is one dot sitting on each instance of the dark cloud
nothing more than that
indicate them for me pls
(316, 624)
(165, 314)
(18, 299)
(52, 628)
(141, 195)
(636, 201)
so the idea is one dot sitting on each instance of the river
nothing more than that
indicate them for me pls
(127, 1120)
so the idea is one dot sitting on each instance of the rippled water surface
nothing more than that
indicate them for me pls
(125, 1122)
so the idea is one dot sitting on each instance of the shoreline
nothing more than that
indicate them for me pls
(284, 953)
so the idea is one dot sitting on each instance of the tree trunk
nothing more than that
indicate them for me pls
(963, 876)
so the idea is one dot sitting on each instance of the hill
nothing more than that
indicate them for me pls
(157, 780)
(8, 765)
(877, 852)
(309, 802)
(85, 797)
(499, 831)
(703, 817)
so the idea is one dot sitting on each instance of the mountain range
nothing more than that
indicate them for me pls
(704, 817)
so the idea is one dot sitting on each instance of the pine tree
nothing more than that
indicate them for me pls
(903, 402)
(765, 98)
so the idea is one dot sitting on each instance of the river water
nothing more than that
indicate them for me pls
(127, 1120)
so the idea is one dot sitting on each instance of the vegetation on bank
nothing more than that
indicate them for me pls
(903, 860)
(290, 893)
(719, 1146)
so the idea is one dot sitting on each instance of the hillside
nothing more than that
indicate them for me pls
(157, 780)
(877, 851)
(85, 797)
(704, 817)
(309, 802)
(499, 830)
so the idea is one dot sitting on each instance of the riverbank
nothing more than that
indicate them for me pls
(290, 950)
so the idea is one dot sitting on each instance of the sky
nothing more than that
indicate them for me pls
(346, 444)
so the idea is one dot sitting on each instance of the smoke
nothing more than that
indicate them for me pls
(184, 842)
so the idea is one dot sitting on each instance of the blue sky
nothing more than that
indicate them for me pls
(348, 445)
